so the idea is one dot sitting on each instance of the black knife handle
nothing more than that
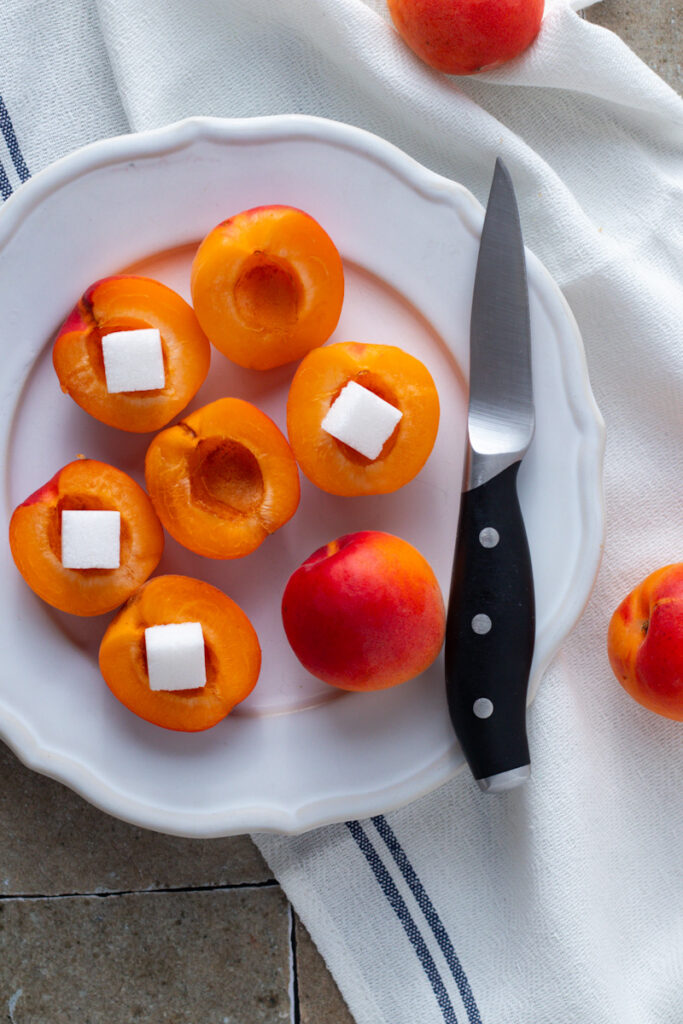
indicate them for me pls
(490, 628)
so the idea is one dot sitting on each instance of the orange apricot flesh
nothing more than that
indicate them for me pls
(231, 649)
(267, 286)
(124, 303)
(222, 479)
(398, 378)
(35, 538)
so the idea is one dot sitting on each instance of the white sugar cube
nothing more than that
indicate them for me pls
(91, 539)
(133, 360)
(361, 419)
(175, 656)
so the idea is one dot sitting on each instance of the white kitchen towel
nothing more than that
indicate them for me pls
(562, 902)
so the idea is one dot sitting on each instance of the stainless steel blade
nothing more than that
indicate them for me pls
(501, 413)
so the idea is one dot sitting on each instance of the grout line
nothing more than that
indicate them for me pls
(268, 884)
(294, 1007)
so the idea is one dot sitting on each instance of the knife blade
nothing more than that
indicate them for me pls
(490, 625)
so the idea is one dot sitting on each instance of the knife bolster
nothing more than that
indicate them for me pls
(482, 467)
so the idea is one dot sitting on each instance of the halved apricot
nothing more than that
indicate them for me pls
(267, 286)
(35, 536)
(231, 649)
(393, 375)
(222, 479)
(127, 303)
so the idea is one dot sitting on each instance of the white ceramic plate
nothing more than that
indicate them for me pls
(296, 754)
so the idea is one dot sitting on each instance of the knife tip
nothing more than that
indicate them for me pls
(501, 169)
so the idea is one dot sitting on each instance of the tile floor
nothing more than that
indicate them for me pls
(653, 30)
(103, 923)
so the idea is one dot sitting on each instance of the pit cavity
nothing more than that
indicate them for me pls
(93, 341)
(268, 293)
(226, 477)
(82, 502)
(373, 382)
(210, 661)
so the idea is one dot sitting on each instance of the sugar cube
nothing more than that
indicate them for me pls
(91, 539)
(133, 360)
(175, 656)
(361, 419)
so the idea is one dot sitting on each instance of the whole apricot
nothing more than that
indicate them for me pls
(461, 37)
(645, 642)
(364, 612)
(267, 286)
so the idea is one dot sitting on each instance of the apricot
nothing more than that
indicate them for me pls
(364, 612)
(35, 538)
(645, 642)
(231, 649)
(461, 37)
(222, 479)
(394, 375)
(267, 286)
(124, 303)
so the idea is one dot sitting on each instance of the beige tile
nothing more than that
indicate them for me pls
(653, 30)
(52, 841)
(219, 957)
(319, 998)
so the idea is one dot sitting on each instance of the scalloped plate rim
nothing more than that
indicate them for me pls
(317, 812)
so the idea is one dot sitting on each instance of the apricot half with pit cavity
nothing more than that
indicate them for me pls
(232, 653)
(267, 286)
(127, 303)
(392, 374)
(222, 479)
(35, 536)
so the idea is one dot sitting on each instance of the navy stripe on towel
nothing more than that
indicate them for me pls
(5, 187)
(433, 919)
(7, 129)
(399, 907)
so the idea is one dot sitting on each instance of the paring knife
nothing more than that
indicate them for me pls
(491, 623)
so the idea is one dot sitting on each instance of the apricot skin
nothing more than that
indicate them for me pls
(461, 37)
(124, 302)
(35, 538)
(222, 479)
(267, 286)
(365, 612)
(232, 653)
(393, 374)
(645, 642)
